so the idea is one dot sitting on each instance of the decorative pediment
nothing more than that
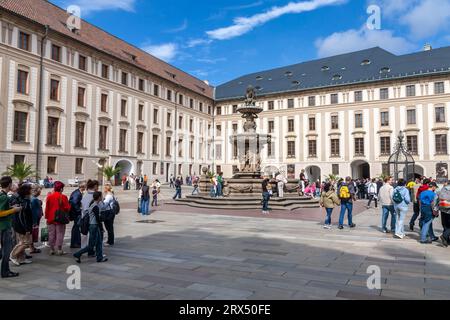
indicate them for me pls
(22, 104)
(124, 123)
(104, 120)
(82, 115)
(55, 111)
(156, 130)
(385, 131)
(141, 127)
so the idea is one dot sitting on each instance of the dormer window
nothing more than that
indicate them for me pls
(295, 83)
(337, 77)
(385, 70)
(259, 78)
(288, 74)
(366, 62)
(325, 68)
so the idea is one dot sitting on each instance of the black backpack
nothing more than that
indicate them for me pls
(85, 222)
(115, 206)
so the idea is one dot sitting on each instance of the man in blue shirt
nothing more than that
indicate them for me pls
(427, 203)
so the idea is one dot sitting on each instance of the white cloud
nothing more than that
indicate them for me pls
(182, 27)
(354, 40)
(211, 61)
(243, 25)
(197, 42)
(88, 6)
(166, 51)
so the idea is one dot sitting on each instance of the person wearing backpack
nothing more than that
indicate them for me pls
(385, 197)
(108, 205)
(346, 194)
(329, 200)
(372, 190)
(401, 198)
(95, 231)
(427, 208)
(23, 226)
(75, 216)
(444, 208)
(92, 187)
(56, 201)
(145, 199)
(178, 184)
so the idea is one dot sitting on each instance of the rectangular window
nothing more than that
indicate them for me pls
(312, 124)
(291, 126)
(358, 96)
(105, 71)
(191, 149)
(235, 149)
(51, 165)
(18, 159)
(191, 125)
(141, 112)
(270, 149)
(411, 142)
(123, 140)
(168, 147)
(290, 103)
(335, 148)
(385, 146)
(384, 94)
(439, 88)
(82, 62)
(385, 169)
(235, 128)
(22, 82)
(359, 147)
(291, 149)
(218, 111)
(20, 126)
(218, 130)
(79, 134)
(124, 78)
(24, 41)
(334, 122)
(180, 99)
(441, 144)
(312, 101)
(180, 122)
(312, 148)
(140, 142)
(191, 103)
(169, 95)
(54, 90)
(334, 98)
(335, 169)
(141, 84)
(271, 126)
(358, 120)
(156, 90)
(200, 107)
(169, 120)
(271, 105)
(154, 168)
(180, 147)
(235, 108)
(440, 114)
(81, 97)
(79, 166)
(103, 136)
(411, 91)
(411, 116)
(384, 119)
(52, 131)
(56, 53)
(155, 148)
(155, 116)
(104, 103)
(123, 108)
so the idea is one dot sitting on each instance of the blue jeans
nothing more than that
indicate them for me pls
(427, 223)
(400, 213)
(386, 210)
(219, 190)
(265, 202)
(177, 194)
(196, 191)
(144, 206)
(328, 218)
(95, 241)
(346, 206)
(155, 202)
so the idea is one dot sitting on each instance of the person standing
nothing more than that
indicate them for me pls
(196, 190)
(36, 208)
(281, 182)
(401, 198)
(444, 208)
(387, 205)
(92, 187)
(145, 199)
(329, 200)
(6, 218)
(266, 196)
(155, 196)
(427, 201)
(56, 231)
(75, 216)
(372, 190)
(418, 189)
(172, 181)
(108, 205)
(95, 231)
(178, 184)
(347, 194)
(23, 226)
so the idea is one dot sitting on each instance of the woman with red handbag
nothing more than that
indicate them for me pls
(36, 209)
(57, 206)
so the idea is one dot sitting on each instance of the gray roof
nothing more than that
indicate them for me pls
(351, 68)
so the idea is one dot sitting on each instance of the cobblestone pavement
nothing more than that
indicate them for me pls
(181, 254)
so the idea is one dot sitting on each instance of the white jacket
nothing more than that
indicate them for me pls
(385, 196)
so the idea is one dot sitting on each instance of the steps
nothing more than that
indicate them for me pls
(289, 203)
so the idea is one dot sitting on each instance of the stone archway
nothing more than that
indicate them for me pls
(313, 173)
(360, 169)
(127, 168)
(419, 171)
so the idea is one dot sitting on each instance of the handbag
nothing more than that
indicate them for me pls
(61, 216)
(44, 234)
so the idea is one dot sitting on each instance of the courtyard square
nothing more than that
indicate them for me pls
(180, 254)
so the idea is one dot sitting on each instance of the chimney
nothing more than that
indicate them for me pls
(427, 47)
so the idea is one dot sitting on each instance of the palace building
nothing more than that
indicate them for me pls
(73, 100)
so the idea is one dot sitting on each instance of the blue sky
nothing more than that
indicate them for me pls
(220, 40)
